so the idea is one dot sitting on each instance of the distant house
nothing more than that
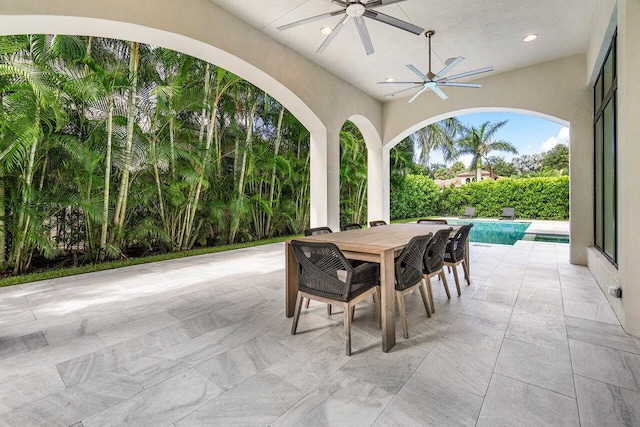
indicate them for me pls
(465, 178)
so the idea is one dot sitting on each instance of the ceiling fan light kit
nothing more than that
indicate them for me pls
(435, 81)
(357, 10)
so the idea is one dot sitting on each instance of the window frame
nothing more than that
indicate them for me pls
(600, 102)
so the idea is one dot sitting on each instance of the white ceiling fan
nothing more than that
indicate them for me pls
(435, 81)
(358, 10)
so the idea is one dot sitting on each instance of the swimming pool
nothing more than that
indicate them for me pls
(501, 232)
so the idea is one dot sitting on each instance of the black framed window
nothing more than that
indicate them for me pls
(605, 156)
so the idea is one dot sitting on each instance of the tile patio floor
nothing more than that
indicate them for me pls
(204, 341)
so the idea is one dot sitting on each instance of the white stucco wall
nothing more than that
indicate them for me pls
(623, 15)
(554, 90)
(628, 137)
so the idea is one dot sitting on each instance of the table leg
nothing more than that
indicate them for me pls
(291, 280)
(387, 300)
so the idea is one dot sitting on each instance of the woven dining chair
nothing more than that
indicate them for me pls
(377, 223)
(434, 262)
(327, 276)
(455, 252)
(353, 226)
(432, 221)
(314, 232)
(317, 230)
(408, 272)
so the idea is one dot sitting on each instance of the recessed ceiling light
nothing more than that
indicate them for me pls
(326, 30)
(530, 37)
(389, 79)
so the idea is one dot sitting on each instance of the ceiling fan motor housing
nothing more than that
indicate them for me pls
(356, 9)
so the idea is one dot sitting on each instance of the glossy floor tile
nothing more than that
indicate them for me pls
(204, 341)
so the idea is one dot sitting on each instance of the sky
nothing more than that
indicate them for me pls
(529, 134)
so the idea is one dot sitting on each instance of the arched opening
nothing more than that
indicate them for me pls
(353, 175)
(132, 149)
(467, 156)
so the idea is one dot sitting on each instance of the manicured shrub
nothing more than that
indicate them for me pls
(541, 198)
(413, 196)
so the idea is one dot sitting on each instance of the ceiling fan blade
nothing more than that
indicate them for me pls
(448, 68)
(394, 22)
(456, 84)
(378, 3)
(311, 19)
(400, 91)
(364, 34)
(333, 34)
(439, 92)
(418, 73)
(400, 83)
(468, 73)
(340, 2)
(418, 93)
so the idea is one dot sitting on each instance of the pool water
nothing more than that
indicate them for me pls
(501, 232)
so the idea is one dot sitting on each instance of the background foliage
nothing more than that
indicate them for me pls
(541, 198)
(414, 196)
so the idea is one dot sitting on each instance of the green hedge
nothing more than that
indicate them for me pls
(541, 198)
(414, 196)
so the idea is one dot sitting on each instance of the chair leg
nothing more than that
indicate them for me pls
(445, 284)
(306, 304)
(353, 312)
(443, 277)
(430, 292)
(465, 267)
(423, 293)
(455, 276)
(403, 314)
(376, 301)
(329, 309)
(296, 314)
(347, 327)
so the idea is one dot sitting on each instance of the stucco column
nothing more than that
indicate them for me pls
(376, 184)
(318, 179)
(628, 155)
(325, 179)
(581, 181)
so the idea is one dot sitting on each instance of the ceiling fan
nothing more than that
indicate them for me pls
(435, 81)
(358, 10)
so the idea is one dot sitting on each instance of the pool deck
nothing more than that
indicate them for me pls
(549, 227)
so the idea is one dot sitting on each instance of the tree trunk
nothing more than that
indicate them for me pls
(273, 172)
(23, 225)
(107, 182)
(121, 205)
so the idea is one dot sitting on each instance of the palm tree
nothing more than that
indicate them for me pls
(479, 142)
(437, 136)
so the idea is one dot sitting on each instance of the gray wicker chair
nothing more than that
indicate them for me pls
(317, 230)
(408, 271)
(354, 226)
(377, 223)
(327, 276)
(469, 213)
(434, 262)
(314, 232)
(455, 253)
(508, 213)
(432, 221)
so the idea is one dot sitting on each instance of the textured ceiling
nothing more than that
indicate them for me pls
(485, 32)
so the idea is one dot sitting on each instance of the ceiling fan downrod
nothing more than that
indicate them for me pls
(428, 35)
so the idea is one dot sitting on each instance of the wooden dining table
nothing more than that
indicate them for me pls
(376, 244)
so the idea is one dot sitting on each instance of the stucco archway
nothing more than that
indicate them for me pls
(555, 91)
